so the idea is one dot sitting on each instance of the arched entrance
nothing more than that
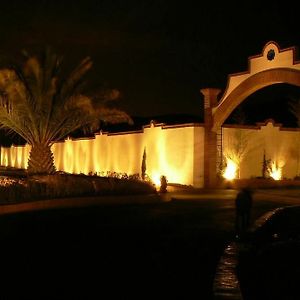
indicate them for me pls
(273, 66)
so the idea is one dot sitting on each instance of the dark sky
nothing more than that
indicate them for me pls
(157, 53)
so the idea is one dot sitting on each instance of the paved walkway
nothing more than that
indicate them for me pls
(226, 285)
(287, 196)
(77, 202)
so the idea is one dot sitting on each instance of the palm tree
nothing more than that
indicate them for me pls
(42, 106)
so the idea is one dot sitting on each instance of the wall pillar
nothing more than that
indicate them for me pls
(210, 137)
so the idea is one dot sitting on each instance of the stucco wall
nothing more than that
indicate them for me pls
(283, 59)
(173, 151)
(280, 145)
(15, 156)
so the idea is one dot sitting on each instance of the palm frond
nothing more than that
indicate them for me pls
(41, 107)
(69, 85)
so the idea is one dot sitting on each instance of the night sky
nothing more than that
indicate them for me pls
(157, 53)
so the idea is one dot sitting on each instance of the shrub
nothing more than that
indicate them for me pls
(62, 185)
(163, 184)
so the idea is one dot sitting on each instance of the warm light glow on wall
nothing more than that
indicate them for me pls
(170, 152)
(15, 156)
(156, 179)
(176, 152)
(230, 170)
(267, 141)
(276, 170)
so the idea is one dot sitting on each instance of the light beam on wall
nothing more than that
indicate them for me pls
(230, 170)
(276, 170)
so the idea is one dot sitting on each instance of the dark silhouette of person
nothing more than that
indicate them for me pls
(243, 204)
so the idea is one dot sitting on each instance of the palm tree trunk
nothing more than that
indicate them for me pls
(41, 160)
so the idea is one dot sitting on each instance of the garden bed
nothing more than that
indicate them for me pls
(15, 188)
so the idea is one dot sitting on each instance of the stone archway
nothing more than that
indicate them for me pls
(273, 66)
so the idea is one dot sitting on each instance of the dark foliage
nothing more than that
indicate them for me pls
(39, 187)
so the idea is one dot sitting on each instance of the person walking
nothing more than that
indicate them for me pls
(243, 205)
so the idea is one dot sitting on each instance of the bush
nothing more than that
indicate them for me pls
(61, 185)
(163, 184)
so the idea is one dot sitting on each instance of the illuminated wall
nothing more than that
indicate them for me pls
(15, 156)
(280, 145)
(173, 151)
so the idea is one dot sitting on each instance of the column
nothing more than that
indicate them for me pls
(210, 138)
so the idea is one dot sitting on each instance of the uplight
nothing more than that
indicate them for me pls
(275, 171)
(231, 170)
(156, 180)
